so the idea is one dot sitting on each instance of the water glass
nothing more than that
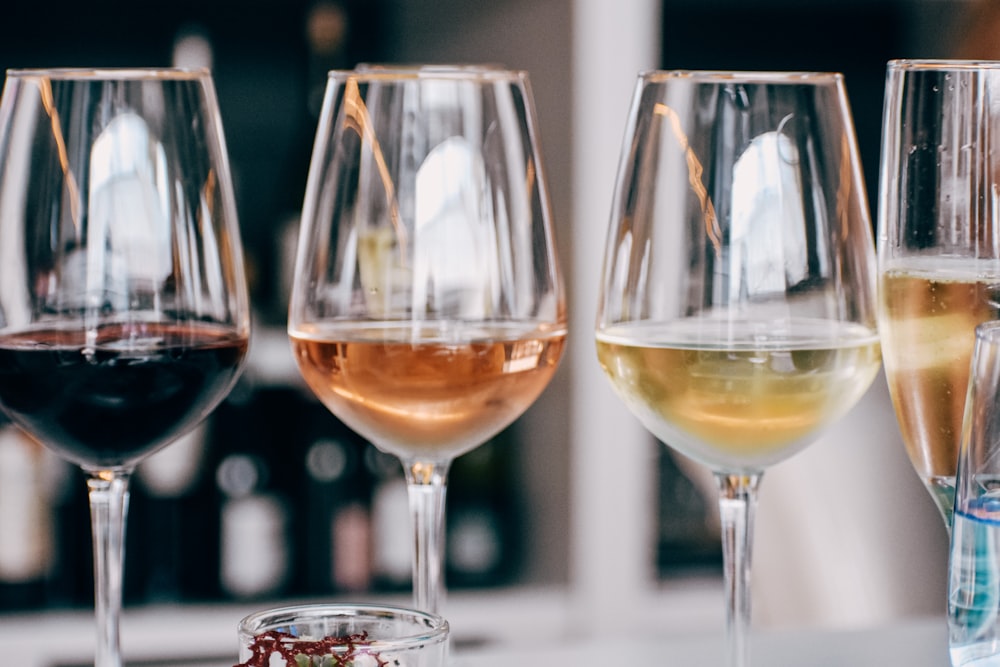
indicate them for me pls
(974, 562)
(338, 635)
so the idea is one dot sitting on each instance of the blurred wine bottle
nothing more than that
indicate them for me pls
(391, 529)
(27, 530)
(687, 518)
(251, 436)
(484, 516)
(168, 530)
(336, 506)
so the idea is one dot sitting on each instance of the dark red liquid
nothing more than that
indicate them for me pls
(138, 388)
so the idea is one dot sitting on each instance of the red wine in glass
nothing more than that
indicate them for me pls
(107, 406)
(124, 313)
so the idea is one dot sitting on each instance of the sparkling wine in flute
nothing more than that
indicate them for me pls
(938, 250)
(427, 391)
(929, 312)
(744, 402)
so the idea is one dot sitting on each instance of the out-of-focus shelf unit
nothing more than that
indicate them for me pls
(845, 531)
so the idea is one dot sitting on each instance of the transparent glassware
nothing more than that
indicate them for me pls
(974, 561)
(938, 250)
(736, 317)
(344, 635)
(124, 314)
(427, 309)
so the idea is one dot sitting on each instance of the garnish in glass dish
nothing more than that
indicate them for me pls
(346, 651)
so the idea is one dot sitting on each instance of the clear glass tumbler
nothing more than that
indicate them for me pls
(339, 635)
(974, 564)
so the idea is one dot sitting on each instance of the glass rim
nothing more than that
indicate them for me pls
(943, 64)
(989, 331)
(741, 76)
(435, 631)
(481, 72)
(110, 73)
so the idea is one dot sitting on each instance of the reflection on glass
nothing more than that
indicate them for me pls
(768, 223)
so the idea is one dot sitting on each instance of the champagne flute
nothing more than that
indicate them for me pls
(938, 250)
(427, 309)
(124, 315)
(736, 316)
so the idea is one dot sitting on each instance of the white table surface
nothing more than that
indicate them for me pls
(917, 643)
(508, 630)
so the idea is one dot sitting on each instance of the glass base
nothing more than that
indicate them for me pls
(975, 656)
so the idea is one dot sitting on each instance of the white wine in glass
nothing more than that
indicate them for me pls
(741, 397)
(427, 311)
(938, 250)
(737, 312)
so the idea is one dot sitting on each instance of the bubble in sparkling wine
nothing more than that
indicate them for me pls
(992, 294)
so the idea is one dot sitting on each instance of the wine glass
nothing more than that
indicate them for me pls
(124, 315)
(938, 250)
(736, 315)
(427, 309)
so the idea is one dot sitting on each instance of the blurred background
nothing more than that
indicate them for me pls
(273, 499)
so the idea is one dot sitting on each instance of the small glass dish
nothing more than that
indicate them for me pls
(343, 635)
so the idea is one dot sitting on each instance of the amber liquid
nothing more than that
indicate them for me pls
(742, 404)
(429, 393)
(927, 322)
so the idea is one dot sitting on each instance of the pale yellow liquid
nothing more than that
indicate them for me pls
(741, 405)
(927, 321)
(427, 393)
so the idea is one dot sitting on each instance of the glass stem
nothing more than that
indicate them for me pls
(942, 490)
(737, 502)
(426, 484)
(108, 490)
